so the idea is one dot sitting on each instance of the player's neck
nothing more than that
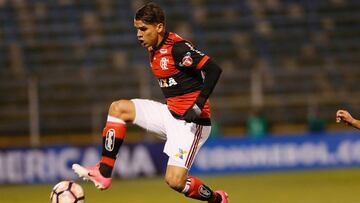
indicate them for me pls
(161, 38)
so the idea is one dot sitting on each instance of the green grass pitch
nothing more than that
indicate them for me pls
(317, 186)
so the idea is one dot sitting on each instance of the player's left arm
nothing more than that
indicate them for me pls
(212, 74)
(188, 57)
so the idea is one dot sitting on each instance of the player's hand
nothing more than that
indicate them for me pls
(345, 116)
(192, 114)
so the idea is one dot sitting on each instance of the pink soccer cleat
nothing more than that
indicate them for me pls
(224, 196)
(93, 174)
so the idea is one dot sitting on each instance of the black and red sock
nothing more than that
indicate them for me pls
(196, 189)
(113, 137)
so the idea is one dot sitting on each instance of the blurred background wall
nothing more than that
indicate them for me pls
(62, 62)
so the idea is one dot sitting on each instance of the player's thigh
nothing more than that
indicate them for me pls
(184, 140)
(150, 115)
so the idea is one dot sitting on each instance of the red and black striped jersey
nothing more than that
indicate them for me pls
(177, 65)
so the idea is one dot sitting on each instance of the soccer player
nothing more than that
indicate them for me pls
(345, 116)
(187, 77)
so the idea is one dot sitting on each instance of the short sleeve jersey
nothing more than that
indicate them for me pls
(177, 65)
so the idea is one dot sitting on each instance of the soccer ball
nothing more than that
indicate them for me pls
(67, 192)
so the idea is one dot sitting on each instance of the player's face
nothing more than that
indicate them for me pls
(148, 34)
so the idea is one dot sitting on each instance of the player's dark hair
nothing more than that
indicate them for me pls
(150, 13)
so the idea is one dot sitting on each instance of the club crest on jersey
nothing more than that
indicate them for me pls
(164, 63)
(181, 153)
(167, 82)
(186, 60)
(110, 140)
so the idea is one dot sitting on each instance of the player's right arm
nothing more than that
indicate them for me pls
(345, 116)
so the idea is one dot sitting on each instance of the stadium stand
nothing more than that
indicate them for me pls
(84, 54)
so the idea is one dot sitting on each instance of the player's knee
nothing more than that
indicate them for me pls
(176, 183)
(122, 109)
(118, 107)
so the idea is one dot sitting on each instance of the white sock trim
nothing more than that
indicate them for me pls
(115, 120)
(187, 186)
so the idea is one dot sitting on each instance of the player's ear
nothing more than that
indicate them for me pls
(160, 27)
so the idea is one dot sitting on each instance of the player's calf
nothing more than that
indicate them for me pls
(176, 183)
(113, 137)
